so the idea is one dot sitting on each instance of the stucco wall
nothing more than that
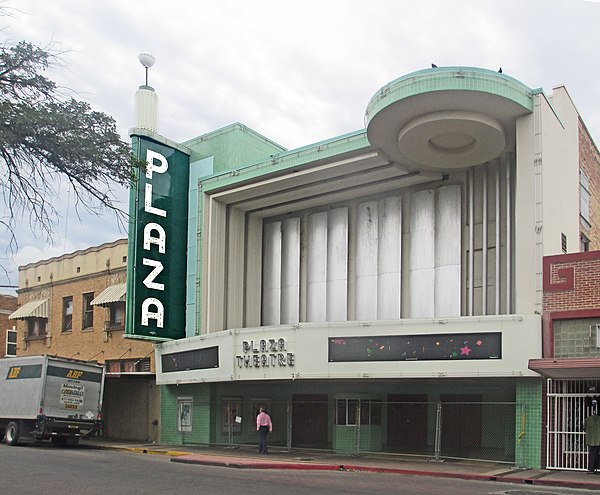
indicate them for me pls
(560, 169)
(526, 300)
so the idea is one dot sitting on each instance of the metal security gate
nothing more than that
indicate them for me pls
(566, 413)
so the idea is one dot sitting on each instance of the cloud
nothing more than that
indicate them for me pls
(298, 73)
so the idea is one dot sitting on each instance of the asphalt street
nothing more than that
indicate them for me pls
(48, 470)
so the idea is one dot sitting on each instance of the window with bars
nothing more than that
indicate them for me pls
(349, 410)
(568, 403)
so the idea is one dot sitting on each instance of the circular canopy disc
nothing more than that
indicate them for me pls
(452, 139)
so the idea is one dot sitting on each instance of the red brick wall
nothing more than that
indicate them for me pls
(572, 282)
(589, 162)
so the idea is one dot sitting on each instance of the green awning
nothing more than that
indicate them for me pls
(32, 309)
(112, 294)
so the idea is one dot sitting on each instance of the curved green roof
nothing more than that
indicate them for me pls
(450, 78)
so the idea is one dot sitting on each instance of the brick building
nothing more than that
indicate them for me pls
(74, 306)
(571, 354)
(8, 304)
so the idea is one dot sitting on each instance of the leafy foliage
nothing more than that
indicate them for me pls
(47, 138)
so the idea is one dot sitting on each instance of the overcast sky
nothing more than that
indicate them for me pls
(297, 72)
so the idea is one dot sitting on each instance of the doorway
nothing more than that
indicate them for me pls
(461, 425)
(309, 421)
(407, 423)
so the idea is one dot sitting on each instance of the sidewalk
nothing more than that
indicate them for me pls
(279, 458)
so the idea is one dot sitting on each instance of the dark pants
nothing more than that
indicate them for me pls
(262, 439)
(593, 457)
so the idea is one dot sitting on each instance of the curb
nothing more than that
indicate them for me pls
(328, 467)
(237, 464)
(260, 465)
(206, 460)
(138, 450)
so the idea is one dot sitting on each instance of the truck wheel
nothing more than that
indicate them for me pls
(11, 433)
(59, 441)
(72, 442)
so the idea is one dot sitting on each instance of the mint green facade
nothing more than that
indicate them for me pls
(231, 147)
(280, 160)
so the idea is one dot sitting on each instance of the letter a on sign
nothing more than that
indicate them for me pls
(160, 240)
(157, 315)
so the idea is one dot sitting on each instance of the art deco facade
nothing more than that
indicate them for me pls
(377, 291)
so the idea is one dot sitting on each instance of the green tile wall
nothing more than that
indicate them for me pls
(528, 428)
(201, 414)
(232, 147)
(345, 437)
(344, 440)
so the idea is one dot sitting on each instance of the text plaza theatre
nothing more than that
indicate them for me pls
(374, 292)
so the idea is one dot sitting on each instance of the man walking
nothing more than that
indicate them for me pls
(263, 426)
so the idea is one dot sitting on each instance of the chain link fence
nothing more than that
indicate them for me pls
(449, 429)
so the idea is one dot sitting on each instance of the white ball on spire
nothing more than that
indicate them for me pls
(146, 59)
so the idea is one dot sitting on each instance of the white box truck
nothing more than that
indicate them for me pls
(46, 397)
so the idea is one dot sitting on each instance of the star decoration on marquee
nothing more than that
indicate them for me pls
(464, 351)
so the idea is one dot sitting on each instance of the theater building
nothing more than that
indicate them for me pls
(379, 291)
